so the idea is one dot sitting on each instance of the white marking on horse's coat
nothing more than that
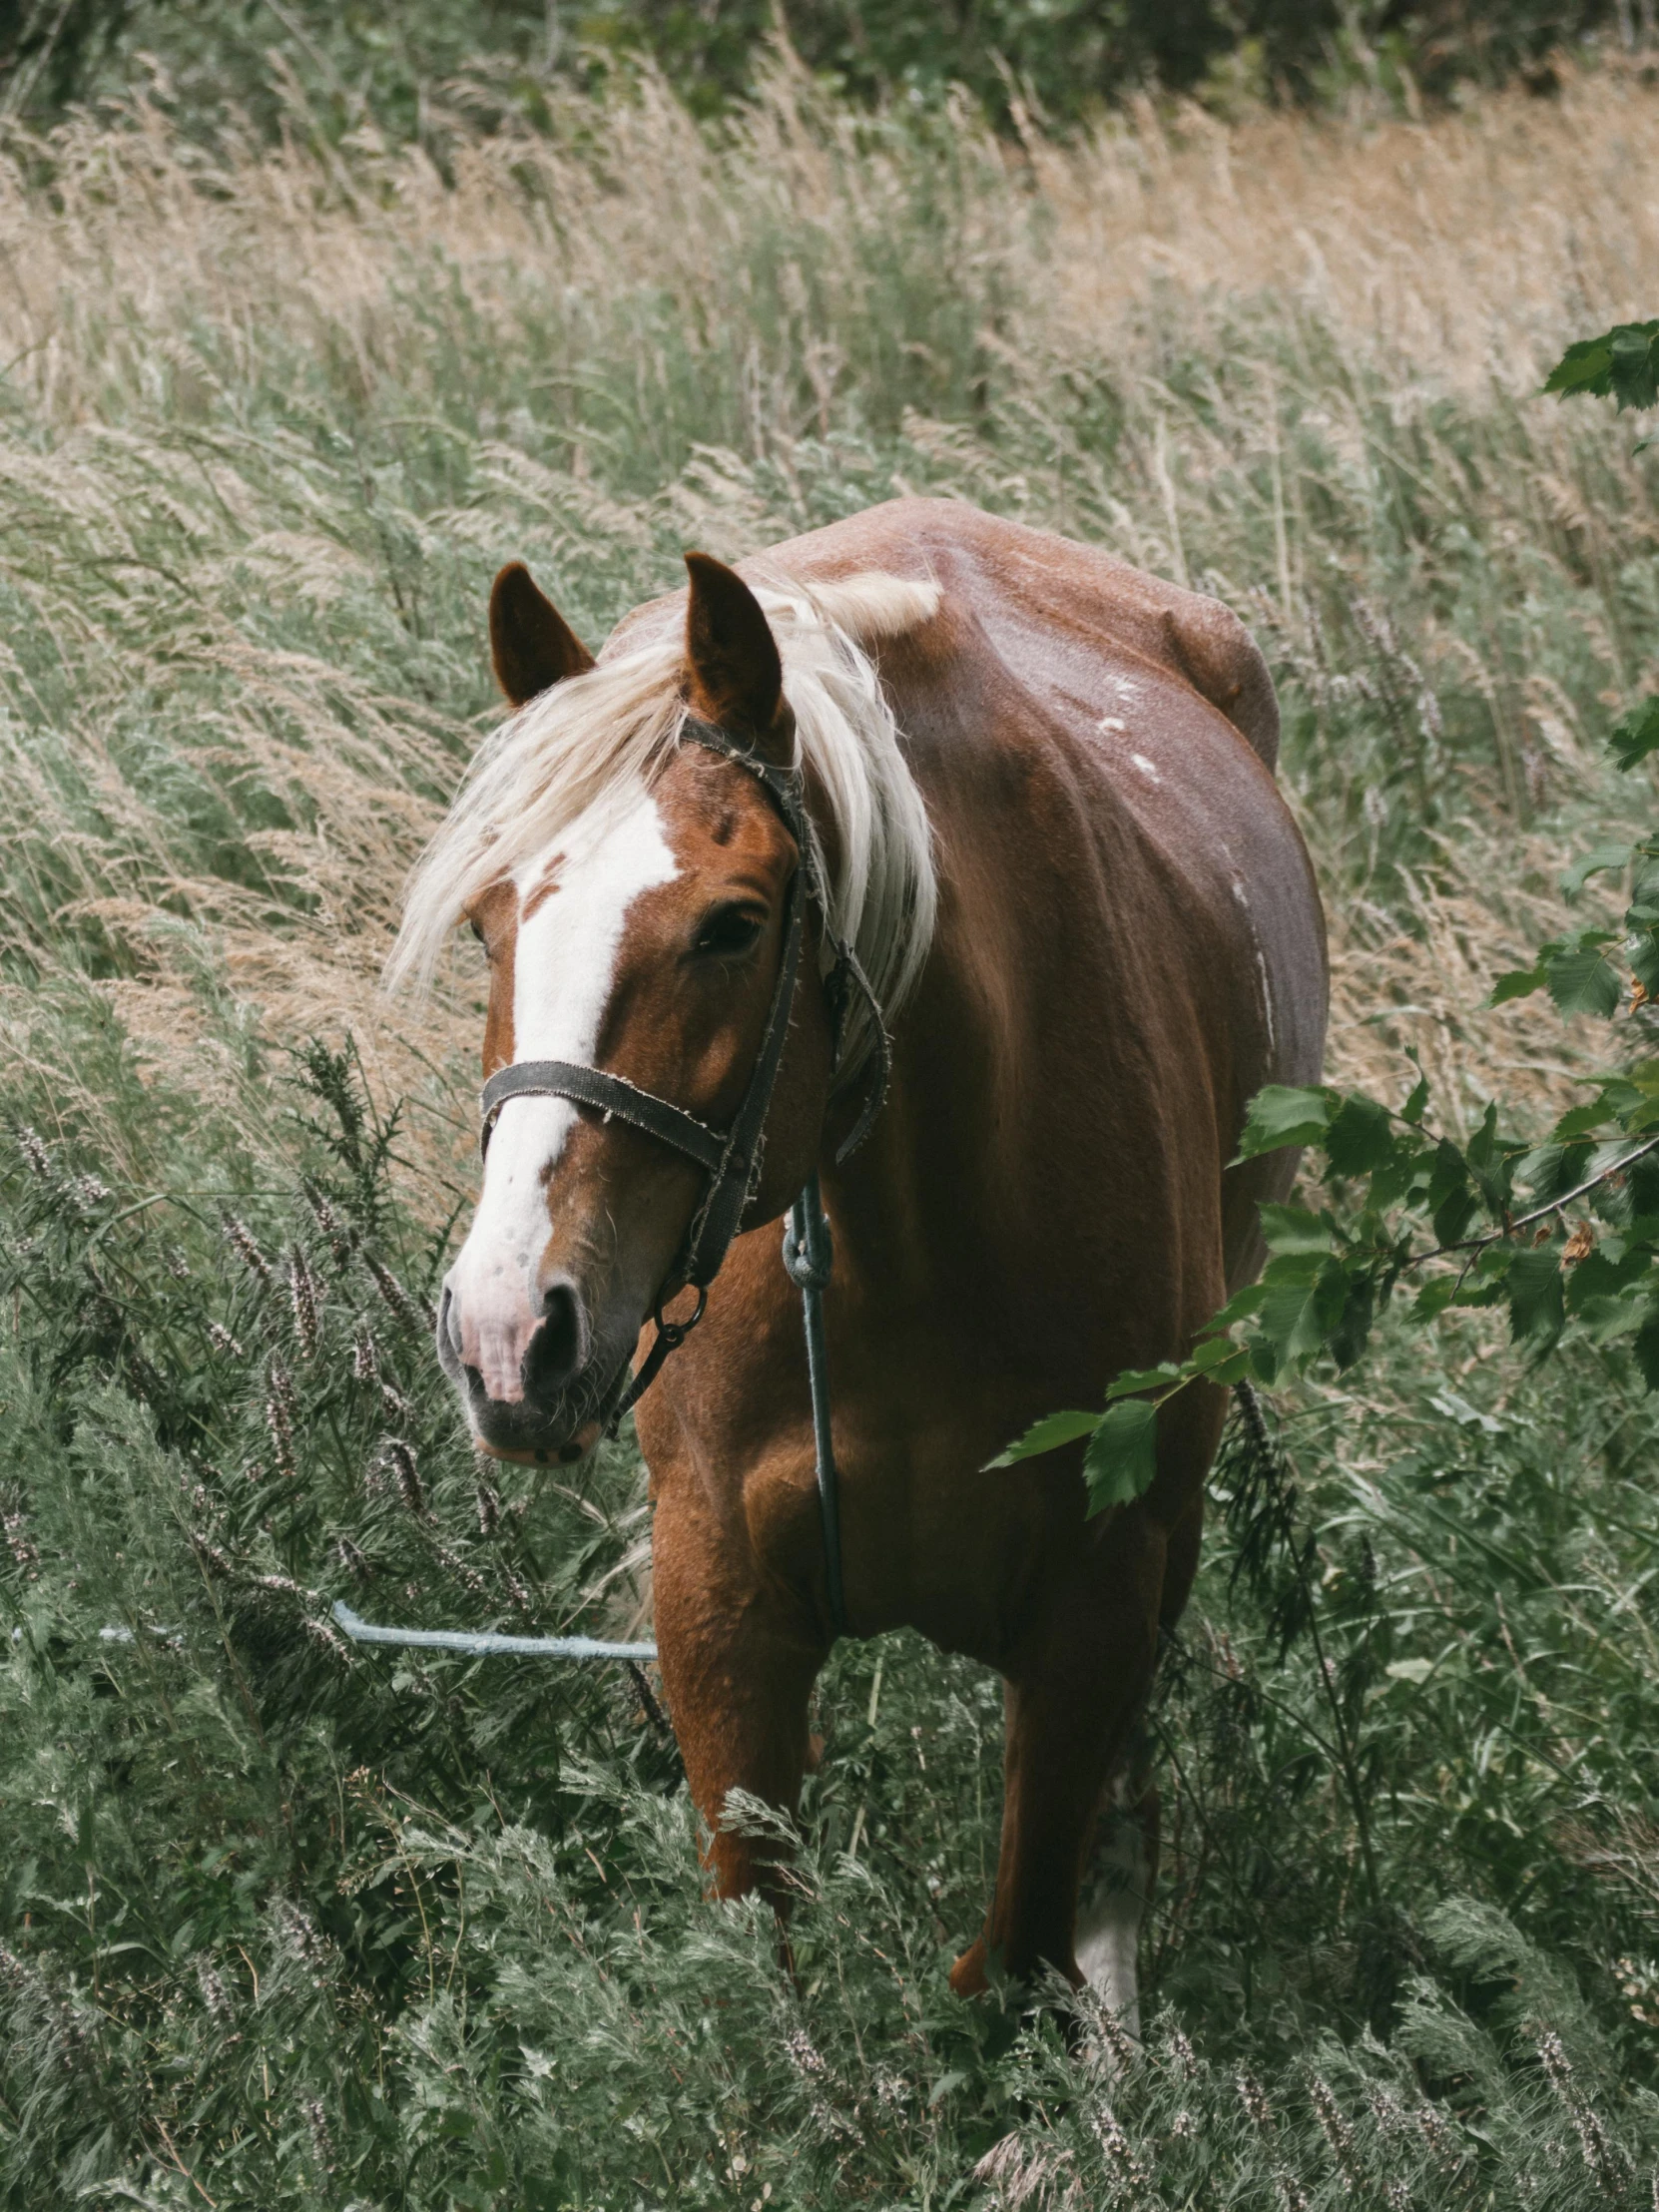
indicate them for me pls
(1147, 768)
(564, 969)
(1267, 996)
(1110, 1912)
(1108, 1953)
(1112, 721)
(1242, 898)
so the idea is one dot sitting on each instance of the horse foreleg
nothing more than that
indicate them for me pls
(1070, 1706)
(738, 1684)
(1121, 1870)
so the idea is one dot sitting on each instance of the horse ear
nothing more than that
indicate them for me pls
(531, 643)
(737, 677)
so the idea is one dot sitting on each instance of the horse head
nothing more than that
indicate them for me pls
(643, 938)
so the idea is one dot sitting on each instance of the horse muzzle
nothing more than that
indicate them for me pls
(532, 1387)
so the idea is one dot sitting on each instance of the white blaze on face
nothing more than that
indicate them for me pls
(564, 969)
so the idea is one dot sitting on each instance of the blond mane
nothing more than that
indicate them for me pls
(592, 739)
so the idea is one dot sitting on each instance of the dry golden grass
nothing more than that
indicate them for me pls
(273, 414)
(1467, 248)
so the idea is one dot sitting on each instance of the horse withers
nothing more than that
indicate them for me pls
(1037, 814)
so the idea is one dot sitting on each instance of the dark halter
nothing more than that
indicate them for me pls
(731, 1158)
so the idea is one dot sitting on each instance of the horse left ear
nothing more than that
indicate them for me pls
(531, 643)
(737, 677)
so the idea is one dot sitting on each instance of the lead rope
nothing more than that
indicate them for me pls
(810, 1258)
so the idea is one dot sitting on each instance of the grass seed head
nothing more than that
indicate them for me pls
(279, 1417)
(241, 1241)
(401, 1305)
(401, 1457)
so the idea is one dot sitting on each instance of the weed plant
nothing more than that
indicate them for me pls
(288, 1922)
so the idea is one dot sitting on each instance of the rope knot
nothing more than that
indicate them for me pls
(807, 1268)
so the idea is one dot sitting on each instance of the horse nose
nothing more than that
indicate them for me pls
(515, 1353)
(557, 1351)
(449, 1331)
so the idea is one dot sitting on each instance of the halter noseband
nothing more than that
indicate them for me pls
(729, 1158)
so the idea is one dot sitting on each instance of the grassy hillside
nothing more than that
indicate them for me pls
(285, 1924)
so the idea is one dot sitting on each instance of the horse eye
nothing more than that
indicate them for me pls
(730, 930)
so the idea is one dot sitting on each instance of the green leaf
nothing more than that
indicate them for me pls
(1622, 364)
(1293, 1229)
(1239, 1308)
(1416, 1105)
(1347, 1336)
(1452, 1203)
(1280, 1115)
(1582, 982)
(1579, 1121)
(1451, 1218)
(1643, 911)
(1142, 1378)
(1220, 1359)
(1517, 983)
(1643, 955)
(1604, 1274)
(1635, 734)
(1646, 1348)
(1536, 1293)
(1046, 1434)
(1434, 1299)
(1360, 1137)
(1122, 1456)
(1606, 1319)
(1604, 857)
(1290, 1318)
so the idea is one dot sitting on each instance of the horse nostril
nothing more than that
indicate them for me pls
(555, 1354)
(450, 1333)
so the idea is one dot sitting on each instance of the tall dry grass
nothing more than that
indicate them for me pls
(270, 416)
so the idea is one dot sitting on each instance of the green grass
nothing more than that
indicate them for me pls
(289, 1923)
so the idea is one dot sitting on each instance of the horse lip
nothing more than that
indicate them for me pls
(565, 1455)
(549, 1443)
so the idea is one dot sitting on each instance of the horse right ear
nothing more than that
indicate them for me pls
(531, 643)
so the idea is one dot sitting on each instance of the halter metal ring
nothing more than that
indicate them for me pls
(675, 1333)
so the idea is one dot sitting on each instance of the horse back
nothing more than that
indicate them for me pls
(1047, 601)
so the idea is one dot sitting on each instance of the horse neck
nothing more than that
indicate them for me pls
(950, 1084)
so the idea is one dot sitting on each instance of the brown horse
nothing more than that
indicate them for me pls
(1040, 789)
